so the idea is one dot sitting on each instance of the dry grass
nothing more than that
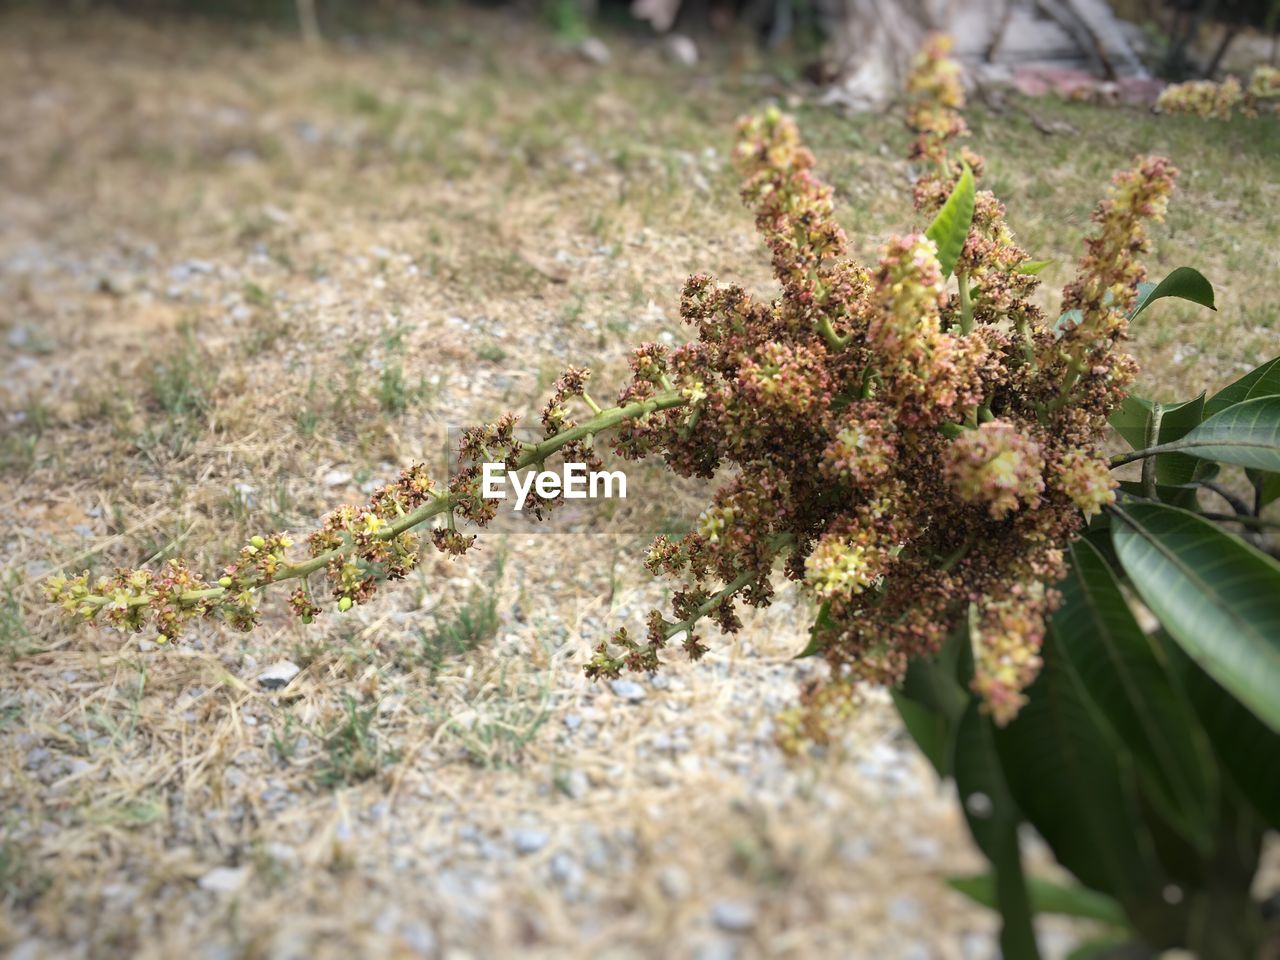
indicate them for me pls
(242, 281)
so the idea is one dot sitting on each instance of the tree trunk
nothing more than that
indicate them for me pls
(874, 42)
(1228, 36)
(309, 23)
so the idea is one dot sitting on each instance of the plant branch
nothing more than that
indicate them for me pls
(1151, 439)
(966, 304)
(442, 502)
(1256, 523)
(1176, 445)
(728, 590)
(1238, 505)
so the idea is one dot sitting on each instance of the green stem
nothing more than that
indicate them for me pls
(776, 543)
(1074, 369)
(834, 340)
(442, 502)
(1256, 523)
(966, 304)
(1176, 445)
(1151, 439)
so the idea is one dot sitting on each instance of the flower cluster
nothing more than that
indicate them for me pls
(1265, 83)
(914, 445)
(997, 466)
(919, 447)
(934, 95)
(1219, 101)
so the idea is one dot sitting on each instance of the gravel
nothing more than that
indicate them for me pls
(529, 840)
(278, 675)
(627, 690)
(224, 879)
(733, 916)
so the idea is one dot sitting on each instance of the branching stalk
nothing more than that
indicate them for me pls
(441, 502)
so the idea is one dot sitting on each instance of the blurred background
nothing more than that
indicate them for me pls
(257, 257)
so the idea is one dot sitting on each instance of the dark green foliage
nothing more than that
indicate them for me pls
(1149, 761)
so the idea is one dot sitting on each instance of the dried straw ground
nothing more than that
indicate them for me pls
(242, 283)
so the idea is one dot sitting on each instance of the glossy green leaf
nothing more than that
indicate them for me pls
(1046, 897)
(993, 819)
(933, 697)
(1247, 434)
(1132, 420)
(1077, 789)
(950, 227)
(1177, 496)
(1123, 675)
(1244, 746)
(928, 728)
(1184, 283)
(1263, 381)
(1176, 421)
(1218, 597)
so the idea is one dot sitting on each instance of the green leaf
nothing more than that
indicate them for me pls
(1110, 948)
(950, 227)
(1184, 497)
(933, 697)
(1132, 420)
(1266, 484)
(821, 625)
(1078, 791)
(1046, 897)
(1032, 267)
(1067, 321)
(928, 728)
(1248, 751)
(1122, 674)
(1263, 381)
(1185, 283)
(1176, 421)
(1218, 597)
(993, 818)
(1246, 433)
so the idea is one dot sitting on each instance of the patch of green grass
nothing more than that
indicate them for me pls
(567, 19)
(358, 391)
(491, 352)
(139, 812)
(181, 384)
(307, 419)
(469, 628)
(18, 446)
(355, 751)
(285, 740)
(14, 633)
(507, 717)
(9, 713)
(120, 725)
(255, 295)
(395, 395)
(267, 330)
(21, 881)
